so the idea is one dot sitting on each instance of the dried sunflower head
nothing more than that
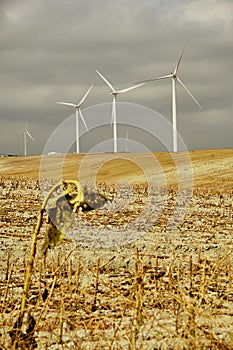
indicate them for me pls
(66, 198)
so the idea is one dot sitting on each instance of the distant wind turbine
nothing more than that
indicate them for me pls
(175, 78)
(78, 113)
(114, 93)
(26, 134)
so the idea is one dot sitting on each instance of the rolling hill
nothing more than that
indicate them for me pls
(204, 167)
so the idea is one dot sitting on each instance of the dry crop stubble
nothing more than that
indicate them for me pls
(92, 302)
(167, 290)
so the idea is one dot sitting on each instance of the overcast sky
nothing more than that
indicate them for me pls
(50, 50)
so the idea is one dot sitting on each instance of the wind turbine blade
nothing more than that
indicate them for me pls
(130, 88)
(153, 79)
(28, 133)
(189, 93)
(85, 96)
(66, 104)
(164, 77)
(144, 81)
(106, 81)
(82, 117)
(178, 63)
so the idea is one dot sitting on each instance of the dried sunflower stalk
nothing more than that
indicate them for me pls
(63, 199)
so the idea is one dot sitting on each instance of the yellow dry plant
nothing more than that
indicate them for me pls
(63, 199)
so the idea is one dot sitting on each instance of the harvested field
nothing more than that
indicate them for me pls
(210, 167)
(166, 287)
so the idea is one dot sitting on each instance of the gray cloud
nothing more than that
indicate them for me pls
(50, 50)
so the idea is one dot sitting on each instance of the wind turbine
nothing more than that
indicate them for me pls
(175, 78)
(78, 114)
(26, 134)
(114, 93)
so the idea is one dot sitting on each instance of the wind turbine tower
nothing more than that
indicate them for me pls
(26, 134)
(174, 77)
(114, 93)
(78, 113)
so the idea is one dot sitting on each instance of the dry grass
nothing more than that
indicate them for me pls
(168, 290)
